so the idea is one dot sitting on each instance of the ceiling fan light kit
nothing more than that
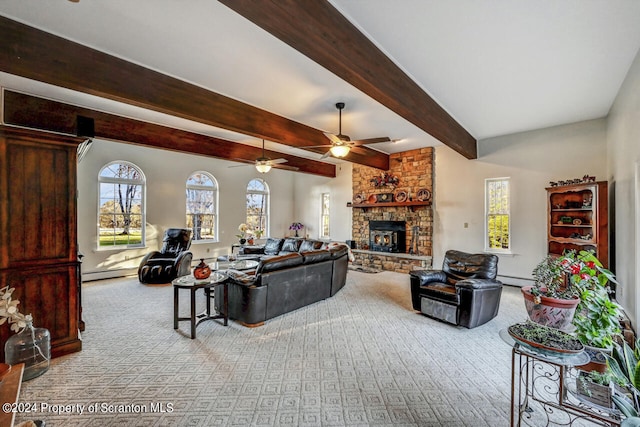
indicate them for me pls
(339, 150)
(263, 166)
(341, 144)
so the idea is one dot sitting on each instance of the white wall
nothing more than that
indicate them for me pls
(308, 190)
(623, 141)
(531, 160)
(166, 174)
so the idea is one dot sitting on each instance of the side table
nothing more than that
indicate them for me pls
(541, 393)
(189, 282)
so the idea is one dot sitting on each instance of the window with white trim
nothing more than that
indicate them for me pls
(121, 210)
(258, 206)
(325, 215)
(497, 213)
(202, 206)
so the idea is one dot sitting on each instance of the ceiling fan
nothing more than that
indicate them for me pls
(264, 164)
(342, 144)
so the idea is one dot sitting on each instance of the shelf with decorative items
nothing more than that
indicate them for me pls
(411, 205)
(399, 198)
(578, 218)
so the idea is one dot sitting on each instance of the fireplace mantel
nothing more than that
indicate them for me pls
(411, 205)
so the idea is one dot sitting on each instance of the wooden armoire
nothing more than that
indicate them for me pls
(38, 232)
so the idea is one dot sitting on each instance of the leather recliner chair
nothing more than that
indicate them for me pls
(465, 292)
(172, 261)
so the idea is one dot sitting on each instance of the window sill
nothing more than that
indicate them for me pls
(497, 252)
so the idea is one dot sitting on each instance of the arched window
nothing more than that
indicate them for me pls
(202, 206)
(121, 210)
(258, 206)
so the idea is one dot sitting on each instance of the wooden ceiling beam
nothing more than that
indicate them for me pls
(319, 31)
(35, 54)
(44, 114)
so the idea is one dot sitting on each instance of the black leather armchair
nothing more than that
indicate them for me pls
(173, 260)
(465, 292)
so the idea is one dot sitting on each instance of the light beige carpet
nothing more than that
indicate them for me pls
(361, 358)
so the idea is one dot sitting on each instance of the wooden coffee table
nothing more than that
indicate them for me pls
(189, 282)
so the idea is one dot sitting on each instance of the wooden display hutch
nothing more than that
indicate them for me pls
(578, 219)
(38, 232)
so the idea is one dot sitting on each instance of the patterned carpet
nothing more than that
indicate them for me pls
(361, 358)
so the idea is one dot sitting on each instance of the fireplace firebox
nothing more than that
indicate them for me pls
(387, 236)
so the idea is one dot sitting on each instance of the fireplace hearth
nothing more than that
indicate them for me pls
(387, 236)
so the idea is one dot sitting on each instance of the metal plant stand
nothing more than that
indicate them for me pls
(543, 390)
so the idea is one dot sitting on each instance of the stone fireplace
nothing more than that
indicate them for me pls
(389, 247)
(387, 236)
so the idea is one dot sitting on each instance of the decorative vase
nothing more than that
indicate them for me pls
(243, 241)
(202, 270)
(297, 233)
(32, 347)
(598, 361)
(250, 241)
(553, 312)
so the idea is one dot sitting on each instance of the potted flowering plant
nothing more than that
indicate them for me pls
(578, 277)
(242, 235)
(575, 282)
(550, 301)
(296, 226)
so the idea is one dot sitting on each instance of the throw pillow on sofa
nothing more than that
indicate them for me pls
(310, 245)
(273, 246)
(291, 245)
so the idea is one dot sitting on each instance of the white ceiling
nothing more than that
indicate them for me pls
(497, 66)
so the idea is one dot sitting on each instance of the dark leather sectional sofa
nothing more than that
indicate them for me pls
(292, 273)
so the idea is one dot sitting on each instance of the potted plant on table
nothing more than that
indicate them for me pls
(581, 278)
(550, 301)
(296, 226)
(242, 235)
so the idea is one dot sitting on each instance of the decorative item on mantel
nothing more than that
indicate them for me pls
(296, 226)
(384, 180)
(31, 346)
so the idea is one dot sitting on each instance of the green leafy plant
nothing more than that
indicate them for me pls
(549, 279)
(624, 365)
(549, 337)
(581, 274)
(597, 318)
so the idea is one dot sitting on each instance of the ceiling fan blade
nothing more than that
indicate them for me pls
(334, 138)
(325, 155)
(248, 162)
(371, 140)
(277, 161)
(318, 146)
